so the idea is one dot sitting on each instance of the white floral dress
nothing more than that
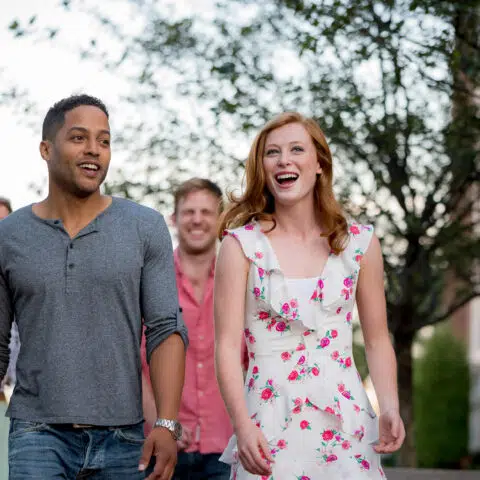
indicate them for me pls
(302, 387)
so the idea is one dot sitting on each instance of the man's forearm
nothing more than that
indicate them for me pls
(167, 373)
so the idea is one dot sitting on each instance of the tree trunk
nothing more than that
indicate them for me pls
(403, 346)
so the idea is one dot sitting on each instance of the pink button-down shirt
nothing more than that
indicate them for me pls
(202, 410)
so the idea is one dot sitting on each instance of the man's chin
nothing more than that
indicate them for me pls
(198, 248)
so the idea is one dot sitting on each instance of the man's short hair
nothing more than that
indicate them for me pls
(194, 185)
(6, 203)
(55, 117)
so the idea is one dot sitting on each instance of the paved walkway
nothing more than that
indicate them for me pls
(424, 474)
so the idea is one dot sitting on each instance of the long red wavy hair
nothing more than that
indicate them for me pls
(257, 203)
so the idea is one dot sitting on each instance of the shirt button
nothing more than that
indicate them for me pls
(201, 337)
(71, 265)
(200, 365)
(200, 394)
(56, 222)
(71, 245)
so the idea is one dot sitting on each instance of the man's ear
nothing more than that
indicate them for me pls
(45, 149)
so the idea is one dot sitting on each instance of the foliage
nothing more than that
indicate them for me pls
(441, 402)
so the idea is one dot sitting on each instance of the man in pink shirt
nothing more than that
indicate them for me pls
(206, 424)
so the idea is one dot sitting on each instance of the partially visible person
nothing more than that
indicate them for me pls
(5, 207)
(289, 271)
(80, 270)
(206, 425)
(8, 383)
(10, 377)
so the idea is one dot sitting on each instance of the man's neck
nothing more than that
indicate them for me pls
(197, 265)
(75, 212)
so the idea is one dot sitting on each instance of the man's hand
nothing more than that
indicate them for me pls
(160, 443)
(186, 440)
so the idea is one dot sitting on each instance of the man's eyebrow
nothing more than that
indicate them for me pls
(83, 129)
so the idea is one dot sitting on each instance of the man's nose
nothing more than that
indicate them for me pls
(92, 147)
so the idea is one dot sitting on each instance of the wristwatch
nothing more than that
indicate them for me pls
(172, 425)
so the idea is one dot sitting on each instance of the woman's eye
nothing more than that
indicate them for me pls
(272, 151)
(297, 149)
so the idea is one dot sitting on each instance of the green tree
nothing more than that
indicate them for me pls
(380, 76)
(441, 402)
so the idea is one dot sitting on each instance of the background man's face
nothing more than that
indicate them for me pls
(196, 221)
(3, 211)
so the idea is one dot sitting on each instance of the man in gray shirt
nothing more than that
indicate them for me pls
(79, 271)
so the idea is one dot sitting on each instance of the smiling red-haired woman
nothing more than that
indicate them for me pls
(290, 270)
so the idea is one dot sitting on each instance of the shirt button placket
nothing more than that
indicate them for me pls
(70, 265)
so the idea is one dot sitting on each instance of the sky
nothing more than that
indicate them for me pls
(49, 71)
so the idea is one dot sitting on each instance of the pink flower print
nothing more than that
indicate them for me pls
(261, 273)
(251, 339)
(297, 410)
(324, 342)
(249, 226)
(334, 334)
(286, 356)
(258, 255)
(281, 326)
(307, 333)
(256, 292)
(300, 346)
(356, 408)
(301, 360)
(267, 394)
(327, 435)
(263, 315)
(314, 295)
(346, 394)
(341, 387)
(348, 362)
(285, 308)
(303, 477)
(251, 383)
(335, 355)
(305, 425)
(293, 375)
(298, 401)
(346, 445)
(360, 433)
(365, 465)
(329, 410)
(293, 303)
(339, 309)
(354, 229)
(255, 370)
(282, 444)
(349, 317)
(348, 282)
(321, 284)
(315, 371)
(332, 458)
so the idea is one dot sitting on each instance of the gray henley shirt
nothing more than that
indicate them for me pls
(79, 305)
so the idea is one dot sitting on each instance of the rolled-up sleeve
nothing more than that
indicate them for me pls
(159, 299)
(6, 319)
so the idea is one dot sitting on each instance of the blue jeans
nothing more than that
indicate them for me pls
(198, 466)
(47, 451)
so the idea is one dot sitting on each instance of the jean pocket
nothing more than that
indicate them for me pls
(131, 434)
(21, 427)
